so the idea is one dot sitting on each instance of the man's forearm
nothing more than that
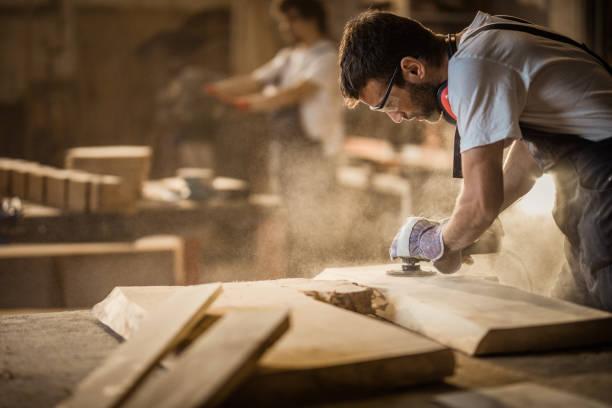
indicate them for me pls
(520, 173)
(236, 86)
(284, 98)
(468, 222)
(481, 197)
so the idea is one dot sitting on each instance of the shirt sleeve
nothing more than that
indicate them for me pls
(322, 70)
(488, 98)
(270, 71)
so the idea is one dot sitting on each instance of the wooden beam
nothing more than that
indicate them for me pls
(110, 383)
(215, 363)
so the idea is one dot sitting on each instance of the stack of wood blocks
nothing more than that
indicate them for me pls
(105, 179)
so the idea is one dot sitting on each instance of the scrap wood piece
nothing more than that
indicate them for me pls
(478, 316)
(216, 362)
(325, 348)
(346, 295)
(517, 395)
(170, 322)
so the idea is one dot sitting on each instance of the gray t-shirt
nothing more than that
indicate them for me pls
(499, 78)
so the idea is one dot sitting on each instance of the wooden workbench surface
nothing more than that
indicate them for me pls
(45, 224)
(43, 356)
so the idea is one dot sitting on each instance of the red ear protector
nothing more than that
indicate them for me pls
(444, 104)
(442, 92)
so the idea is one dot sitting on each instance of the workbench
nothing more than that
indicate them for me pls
(229, 228)
(44, 355)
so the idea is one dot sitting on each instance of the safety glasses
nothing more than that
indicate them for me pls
(388, 103)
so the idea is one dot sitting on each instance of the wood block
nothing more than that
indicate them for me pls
(230, 188)
(230, 350)
(168, 325)
(325, 349)
(57, 188)
(105, 195)
(130, 163)
(517, 395)
(37, 184)
(7, 178)
(478, 316)
(79, 191)
(4, 178)
(19, 179)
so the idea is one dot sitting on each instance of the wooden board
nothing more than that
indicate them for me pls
(478, 316)
(109, 384)
(326, 348)
(519, 395)
(216, 362)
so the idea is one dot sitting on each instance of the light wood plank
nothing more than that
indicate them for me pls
(217, 361)
(169, 323)
(518, 395)
(478, 316)
(326, 348)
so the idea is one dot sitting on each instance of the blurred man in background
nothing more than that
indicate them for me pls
(298, 88)
(508, 83)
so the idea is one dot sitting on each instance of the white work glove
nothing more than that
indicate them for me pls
(418, 238)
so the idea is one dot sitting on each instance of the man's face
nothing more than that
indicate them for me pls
(292, 26)
(406, 102)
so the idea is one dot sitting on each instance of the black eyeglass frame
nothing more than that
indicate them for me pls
(380, 105)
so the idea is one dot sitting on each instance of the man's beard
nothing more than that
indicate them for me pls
(423, 96)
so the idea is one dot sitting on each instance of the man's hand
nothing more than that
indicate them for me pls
(418, 238)
(253, 103)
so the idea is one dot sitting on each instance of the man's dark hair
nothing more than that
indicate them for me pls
(308, 10)
(374, 43)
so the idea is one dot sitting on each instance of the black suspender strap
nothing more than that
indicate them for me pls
(542, 33)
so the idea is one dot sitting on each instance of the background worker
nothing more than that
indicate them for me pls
(298, 87)
(513, 84)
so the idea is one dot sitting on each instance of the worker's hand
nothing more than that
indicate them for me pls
(451, 262)
(253, 103)
(418, 238)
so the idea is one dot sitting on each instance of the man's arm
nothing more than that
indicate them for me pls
(520, 173)
(285, 97)
(233, 87)
(481, 197)
(487, 191)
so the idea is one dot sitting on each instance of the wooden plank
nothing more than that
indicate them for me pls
(217, 362)
(478, 316)
(147, 244)
(517, 395)
(108, 385)
(321, 350)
